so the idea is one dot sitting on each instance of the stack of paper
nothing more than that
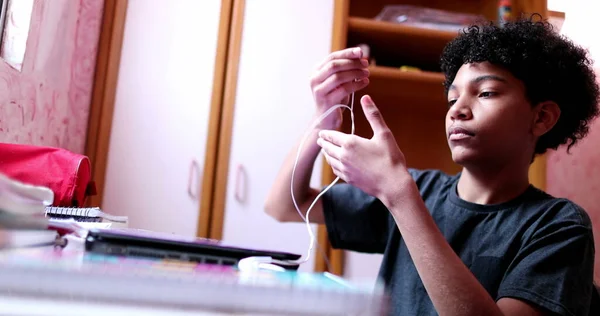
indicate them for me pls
(22, 218)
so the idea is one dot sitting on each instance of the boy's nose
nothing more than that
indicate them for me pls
(460, 111)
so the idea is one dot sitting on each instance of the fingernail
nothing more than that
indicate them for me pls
(365, 72)
(364, 62)
(357, 50)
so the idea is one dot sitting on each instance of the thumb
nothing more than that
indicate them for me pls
(372, 114)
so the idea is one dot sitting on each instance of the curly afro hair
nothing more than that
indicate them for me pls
(550, 66)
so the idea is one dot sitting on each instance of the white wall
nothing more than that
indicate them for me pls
(161, 112)
(282, 43)
(558, 5)
(580, 24)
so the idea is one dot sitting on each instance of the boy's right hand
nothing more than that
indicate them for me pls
(342, 73)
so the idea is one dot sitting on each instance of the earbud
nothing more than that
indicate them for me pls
(250, 264)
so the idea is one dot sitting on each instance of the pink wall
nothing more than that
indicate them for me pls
(577, 175)
(47, 103)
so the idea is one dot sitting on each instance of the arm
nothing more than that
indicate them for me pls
(340, 74)
(279, 202)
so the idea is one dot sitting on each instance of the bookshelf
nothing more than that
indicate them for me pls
(412, 102)
(422, 47)
(384, 83)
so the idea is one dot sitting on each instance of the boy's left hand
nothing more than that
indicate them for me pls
(373, 164)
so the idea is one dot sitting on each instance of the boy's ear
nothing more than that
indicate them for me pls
(546, 116)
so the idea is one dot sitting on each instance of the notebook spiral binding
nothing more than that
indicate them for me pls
(71, 211)
(88, 213)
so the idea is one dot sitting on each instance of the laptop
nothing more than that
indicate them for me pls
(164, 246)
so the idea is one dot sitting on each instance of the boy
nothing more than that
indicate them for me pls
(484, 241)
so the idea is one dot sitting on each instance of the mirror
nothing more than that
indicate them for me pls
(15, 20)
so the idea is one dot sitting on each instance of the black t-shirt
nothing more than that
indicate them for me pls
(535, 248)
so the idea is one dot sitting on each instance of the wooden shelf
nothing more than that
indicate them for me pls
(419, 92)
(397, 44)
(487, 8)
(390, 73)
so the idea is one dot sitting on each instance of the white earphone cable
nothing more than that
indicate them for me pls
(311, 128)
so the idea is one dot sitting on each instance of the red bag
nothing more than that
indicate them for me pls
(66, 173)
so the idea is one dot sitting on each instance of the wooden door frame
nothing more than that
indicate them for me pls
(104, 91)
(211, 211)
(215, 188)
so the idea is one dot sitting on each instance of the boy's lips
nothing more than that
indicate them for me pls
(459, 133)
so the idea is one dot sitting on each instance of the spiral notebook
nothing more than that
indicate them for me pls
(83, 214)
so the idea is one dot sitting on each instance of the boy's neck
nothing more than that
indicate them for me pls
(493, 186)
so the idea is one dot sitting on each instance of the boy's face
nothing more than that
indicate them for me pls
(489, 119)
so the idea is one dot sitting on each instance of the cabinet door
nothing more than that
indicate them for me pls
(162, 104)
(282, 42)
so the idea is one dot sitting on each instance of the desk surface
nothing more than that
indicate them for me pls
(103, 283)
(45, 307)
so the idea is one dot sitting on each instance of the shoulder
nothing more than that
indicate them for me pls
(552, 264)
(547, 217)
(559, 210)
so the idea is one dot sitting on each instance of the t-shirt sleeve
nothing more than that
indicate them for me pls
(359, 222)
(554, 269)
(355, 220)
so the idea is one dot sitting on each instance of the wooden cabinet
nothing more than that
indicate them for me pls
(412, 102)
(161, 113)
(209, 94)
(274, 47)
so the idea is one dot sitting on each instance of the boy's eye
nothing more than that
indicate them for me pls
(487, 94)
(451, 103)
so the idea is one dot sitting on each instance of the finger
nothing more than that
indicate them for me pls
(342, 77)
(339, 65)
(373, 114)
(332, 92)
(329, 148)
(335, 164)
(339, 174)
(334, 137)
(345, 89)
(348, 53)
